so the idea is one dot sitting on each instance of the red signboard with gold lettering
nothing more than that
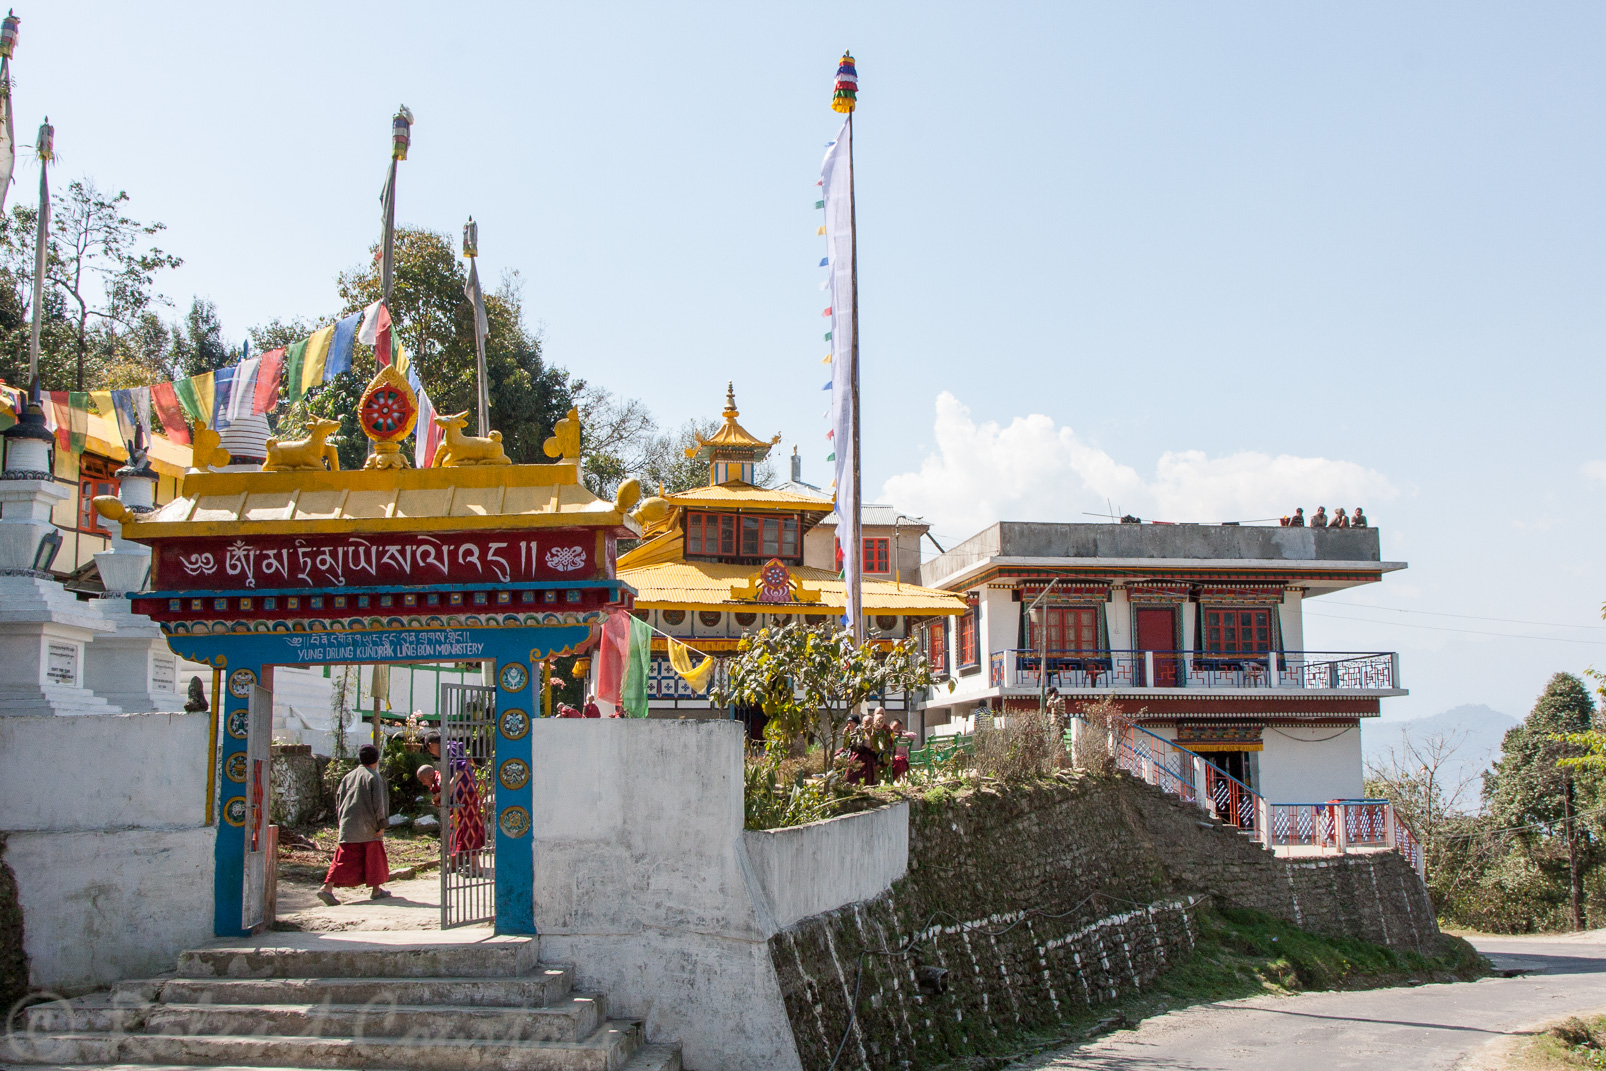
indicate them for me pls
(336, 561)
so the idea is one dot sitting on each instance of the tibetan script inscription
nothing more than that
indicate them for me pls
(412, 645)
(336, 561)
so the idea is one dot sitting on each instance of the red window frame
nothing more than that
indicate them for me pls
(877, 554)
(94, 478)
(968, 639)
(1070, 628)
(747, 535)
(1237, 630)
(937, 646)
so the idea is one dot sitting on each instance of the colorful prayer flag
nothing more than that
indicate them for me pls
(78, 420)
(268, 377)
(56, 420)
(638, 668)
(223, 390)
(316, 359)
(243, 389)
(165, 399)
(127, 419)
(680, 660)
(189, 399)
(339, 359)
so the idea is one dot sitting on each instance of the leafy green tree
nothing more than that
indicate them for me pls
(100, 264)
(809, 678)
(434, 321)
(1533, 790)
(197, 344)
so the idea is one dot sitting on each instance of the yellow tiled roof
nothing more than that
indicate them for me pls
(683, 585)
(381, 500)
(737, 494)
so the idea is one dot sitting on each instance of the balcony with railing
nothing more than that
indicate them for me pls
(1373, 672)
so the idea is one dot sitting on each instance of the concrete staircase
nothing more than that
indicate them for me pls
(402, 1002)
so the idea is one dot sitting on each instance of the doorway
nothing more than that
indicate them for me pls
(1156, 630)
(468, 775)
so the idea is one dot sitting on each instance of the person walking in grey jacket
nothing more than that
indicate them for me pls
(362, 808)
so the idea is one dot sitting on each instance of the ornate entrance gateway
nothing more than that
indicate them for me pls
(504, 564)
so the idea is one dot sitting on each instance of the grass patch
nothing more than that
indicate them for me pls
(1571, 1043)
(1244, 953)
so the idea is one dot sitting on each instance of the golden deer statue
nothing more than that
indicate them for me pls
(300, 455)
(457, 449)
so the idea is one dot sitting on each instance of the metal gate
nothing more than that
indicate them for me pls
(468, 803)
(258, 845)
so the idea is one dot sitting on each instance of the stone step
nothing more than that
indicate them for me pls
(317, 955)
(607, 1049)
(646, 1058)
(548, 984)
(655, 1058)
(572, 1020)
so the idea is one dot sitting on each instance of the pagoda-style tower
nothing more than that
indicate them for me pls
(732, 452)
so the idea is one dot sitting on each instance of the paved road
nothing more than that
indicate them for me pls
(1405, 1029)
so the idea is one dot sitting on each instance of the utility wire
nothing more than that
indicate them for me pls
(1446, 628)
(1469, 617)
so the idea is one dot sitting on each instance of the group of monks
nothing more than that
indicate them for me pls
(1320, 520)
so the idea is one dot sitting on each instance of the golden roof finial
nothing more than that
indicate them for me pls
(730, 401)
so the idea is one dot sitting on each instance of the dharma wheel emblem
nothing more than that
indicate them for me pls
(387, 412)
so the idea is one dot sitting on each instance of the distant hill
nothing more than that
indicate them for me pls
(1482, 729)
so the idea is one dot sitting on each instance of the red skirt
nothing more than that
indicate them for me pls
(359, 864)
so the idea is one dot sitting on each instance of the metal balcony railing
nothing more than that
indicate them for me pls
(1114, 670)
(1332, 828)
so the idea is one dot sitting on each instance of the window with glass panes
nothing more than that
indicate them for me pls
(967, 629)
(1237, 630)
(769, 537)
(877, 555)
(711, 534)
(937, 646)
(1070, 628)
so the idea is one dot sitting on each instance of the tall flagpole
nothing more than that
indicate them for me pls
(844, 99)
(46, 149)
(476, 297)
(401, 135)
(856, 525)
(8, 45)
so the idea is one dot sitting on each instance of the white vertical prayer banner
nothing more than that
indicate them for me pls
(244, 390)
(837, 181)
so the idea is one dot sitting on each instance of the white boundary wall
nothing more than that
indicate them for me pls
(647, 883)
(103, 823)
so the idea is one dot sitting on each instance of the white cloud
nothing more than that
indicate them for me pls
(1595, 470)
(1034, 470)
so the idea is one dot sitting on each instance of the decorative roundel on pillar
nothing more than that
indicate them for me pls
(234, 811)
(515, 724)
(515, 822)
(239, 724)
(241, 682)
(514, 774)
(514, 677)
(234, 768)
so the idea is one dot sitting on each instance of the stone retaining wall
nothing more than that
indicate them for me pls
(1047, 898)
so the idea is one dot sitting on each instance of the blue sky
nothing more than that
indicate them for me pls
(1207, 262)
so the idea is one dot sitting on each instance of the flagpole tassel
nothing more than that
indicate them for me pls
(401, 133)
(46, 145)
(471, 239)
(8, 34)
(845, 96)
